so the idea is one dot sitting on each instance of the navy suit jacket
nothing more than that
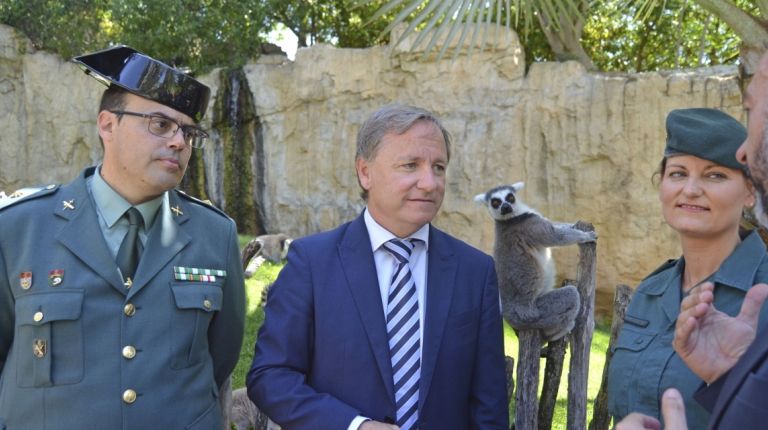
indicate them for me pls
(322, 358)
(738, 400)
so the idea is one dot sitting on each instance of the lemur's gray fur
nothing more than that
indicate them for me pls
(525, 269)
(267, 247)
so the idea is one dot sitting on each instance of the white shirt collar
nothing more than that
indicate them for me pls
(379, 234)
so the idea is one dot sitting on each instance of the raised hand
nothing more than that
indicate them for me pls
(709, 341)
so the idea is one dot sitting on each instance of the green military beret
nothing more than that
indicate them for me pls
(706, 133)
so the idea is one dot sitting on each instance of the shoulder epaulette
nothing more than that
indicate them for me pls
(25, 194)
(663, 267)
(204, 203)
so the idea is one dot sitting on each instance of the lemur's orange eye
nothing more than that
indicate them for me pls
(495, 203)
(510, 198)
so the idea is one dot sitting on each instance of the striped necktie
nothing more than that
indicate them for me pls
(403, 334)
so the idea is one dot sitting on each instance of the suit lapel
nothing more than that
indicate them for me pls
(360, 271)
(756, 354)
(441, 275)
(82, 235)
(166, 238)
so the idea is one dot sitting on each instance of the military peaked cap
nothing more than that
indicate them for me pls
(144, 76)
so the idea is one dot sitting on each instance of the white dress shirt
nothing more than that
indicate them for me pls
(385, 267)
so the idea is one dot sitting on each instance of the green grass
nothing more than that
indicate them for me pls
(255, 315)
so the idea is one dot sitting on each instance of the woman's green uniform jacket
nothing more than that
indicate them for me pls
(644, 363)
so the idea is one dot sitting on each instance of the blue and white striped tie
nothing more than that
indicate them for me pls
(403, 334)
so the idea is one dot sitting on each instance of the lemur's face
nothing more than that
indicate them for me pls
(502, 202)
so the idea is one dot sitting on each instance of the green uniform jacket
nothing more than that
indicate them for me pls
(79, 350)
(644, 364)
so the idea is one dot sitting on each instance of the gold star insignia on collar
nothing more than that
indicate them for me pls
(68, 204)
(177, 211)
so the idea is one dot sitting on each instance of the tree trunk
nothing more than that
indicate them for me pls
(749, 28)
(564, 35)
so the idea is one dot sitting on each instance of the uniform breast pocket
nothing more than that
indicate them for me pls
(49, 338)
(196, 304)
(622, 375)
(632, 340)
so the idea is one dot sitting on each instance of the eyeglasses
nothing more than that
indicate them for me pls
(162, 126)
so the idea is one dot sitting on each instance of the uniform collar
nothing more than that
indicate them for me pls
(670, 274)
(112, 205)
(737, 271)
(379, 234)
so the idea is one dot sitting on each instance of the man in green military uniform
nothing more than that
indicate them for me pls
(121, 299)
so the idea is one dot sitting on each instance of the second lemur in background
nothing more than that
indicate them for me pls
(525, 269)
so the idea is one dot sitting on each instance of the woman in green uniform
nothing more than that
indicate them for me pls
(703, 191)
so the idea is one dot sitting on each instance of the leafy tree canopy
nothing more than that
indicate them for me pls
(339, 22)
(202, 34)
(673, 34)
(197, 34)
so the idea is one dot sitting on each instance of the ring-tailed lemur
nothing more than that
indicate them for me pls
(525, 269)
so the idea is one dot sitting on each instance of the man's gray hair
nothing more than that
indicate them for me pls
(397, 119)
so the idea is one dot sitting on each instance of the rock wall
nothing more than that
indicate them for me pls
(586, 144)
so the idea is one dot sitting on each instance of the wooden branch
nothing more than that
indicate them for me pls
(600, 418)
(745, 25)
(552, 374)
(581, 336)
(527, 392)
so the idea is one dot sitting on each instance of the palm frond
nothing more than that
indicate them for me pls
(416, 21)
(438, 18)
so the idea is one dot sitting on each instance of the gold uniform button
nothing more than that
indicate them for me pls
(207, 304)
(129, 396)
(129, 352)
(38, 316)
(129, 309)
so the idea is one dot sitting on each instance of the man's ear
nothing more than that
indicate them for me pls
(106, 122)
(363, 173)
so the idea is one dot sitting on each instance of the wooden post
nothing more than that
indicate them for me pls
(527, 393)
(600, 418)
(510, 371)
(581, 336)
(552, 374)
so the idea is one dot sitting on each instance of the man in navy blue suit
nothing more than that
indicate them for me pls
(721, 349)
(385, 322)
